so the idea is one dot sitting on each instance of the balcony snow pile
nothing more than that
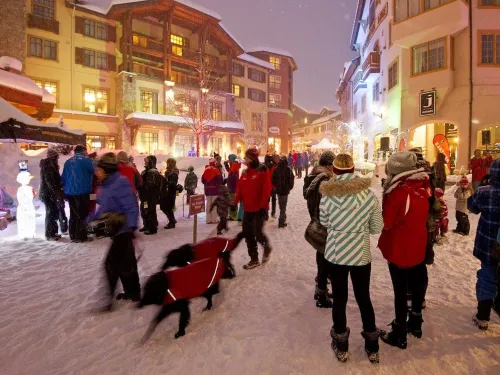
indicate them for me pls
(179, 120)
(254, 60)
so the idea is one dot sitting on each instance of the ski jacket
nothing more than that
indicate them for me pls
(283, 178)
(254, 189)
(233, 177)
(212, 180)
(350, 212)
(405, 209)
(477, 165)
(171, 182)
(131, 174)
(116, 196)
(77, 175)
(150, 190)
(300, 161)
(311, 189)
(486, 201)
(50, 180)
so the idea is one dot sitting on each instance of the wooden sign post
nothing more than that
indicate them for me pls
(196, 206)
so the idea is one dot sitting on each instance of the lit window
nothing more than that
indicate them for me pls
(178, 42)
(50, 86)
(149, 102)
(216, 111)
(429, 56)
(46, 49)
(305, 120)
(276, 61)
(257, 122)
(275, 100)
(44, 8)
(99, 142)
(149, 142)
(275, 82)
(393, 74)
(95, 100)
(238, 91)
(490, 48)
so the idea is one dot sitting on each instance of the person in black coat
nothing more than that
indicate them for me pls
(50, 193)
(169, 192)
(149, 195)
(283, 181)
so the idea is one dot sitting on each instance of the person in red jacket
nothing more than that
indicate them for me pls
(128, 171)
(405, 208)
(254, 190)
(478, 167)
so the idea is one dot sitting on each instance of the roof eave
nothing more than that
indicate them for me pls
(356, 25)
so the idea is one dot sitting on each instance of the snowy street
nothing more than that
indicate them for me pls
(264, 321)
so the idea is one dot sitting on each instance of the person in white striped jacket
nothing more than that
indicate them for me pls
(351, 213)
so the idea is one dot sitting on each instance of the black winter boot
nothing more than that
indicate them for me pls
(322, 299)
(340, 344)
(371, 346)
(397, 336)
(482, 318)
(415, 324)
(496, 305)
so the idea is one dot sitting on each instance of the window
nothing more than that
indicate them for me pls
(102, 61)
(101, 31)
(99, 142)
(404, 9)
(95, 29)
(490, 47)
(307, 130)
(256, 75)
(216, 111)
(316, 130)
(256, 95)
(95, 59)
(429, 57)
(323, 128)
(178, 42)
(138, 40)
(363, 104)
(275, 100)
(89, 28)
(149, 101)
(238, 70)
(376, 92)
(276, 61)
(149, 142)
(495, 3)
(257, 122)
(44, 8)
(216, 143)
(275, 82)
(185, 104)
(89, 58)
(50, 86)
(238, 91)
(393, 74)
(45, 49)
(95, 100)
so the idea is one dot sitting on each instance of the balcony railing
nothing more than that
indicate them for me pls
(148, 43)
(42, 23)
(184, 52)
(371, 65)
(214, 63)
(145, 70)
(358, 83)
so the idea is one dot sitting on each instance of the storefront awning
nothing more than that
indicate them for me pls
(16, 126)
(142, 118)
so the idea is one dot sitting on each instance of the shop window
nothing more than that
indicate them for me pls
(183, 145)
(216, 111)
(429, 57)
(50, 86)
(275, 82)
(276, 61)
(95, 100)
(490, 48)
(149, 101)
(275, 100)
(257, 122)
(149, 142)
(99, 142)
(44, 8)
(45, 49)
(216, 144)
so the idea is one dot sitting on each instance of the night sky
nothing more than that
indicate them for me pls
(315, 32)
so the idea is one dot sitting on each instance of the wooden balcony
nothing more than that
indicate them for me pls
(182, 54)
(371, 65)
(145, 46)
(42, 23)
(145, 70)
(215, 64)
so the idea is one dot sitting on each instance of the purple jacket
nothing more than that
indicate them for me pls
(212, 181)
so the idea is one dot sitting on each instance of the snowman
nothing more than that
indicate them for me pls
(26, 224)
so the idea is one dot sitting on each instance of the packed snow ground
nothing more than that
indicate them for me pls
(264, 321)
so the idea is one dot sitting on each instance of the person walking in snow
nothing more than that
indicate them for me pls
(149, 195)
(170, 192)
(290, 161)
(300, 164)
(190, 183)
(117, 198)
(254, 189)
(322, 173)
(233, 168)
(403, 242)
(212, 180)
(462, 194)
(306, 161)
(486, 202)
(76, 178)
(351, 213)
(50, 193)
(271, 166)
(222, 205)
(283, 181)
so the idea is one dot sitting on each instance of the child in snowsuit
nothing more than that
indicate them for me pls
(442, 223)
(222, 204)
(190, 183)
(463, 192)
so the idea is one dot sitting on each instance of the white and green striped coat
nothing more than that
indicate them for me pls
(351, 212)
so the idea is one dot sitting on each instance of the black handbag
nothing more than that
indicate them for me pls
(316, 235)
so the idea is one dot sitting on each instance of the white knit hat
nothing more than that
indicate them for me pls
(401, 162)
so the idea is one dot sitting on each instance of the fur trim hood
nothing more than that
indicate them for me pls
(346, 184)
(413, 175)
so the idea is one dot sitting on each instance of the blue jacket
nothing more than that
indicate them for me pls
(300, 161)
(118, 197)
(306, 160)
(77, 175)
(486, 201)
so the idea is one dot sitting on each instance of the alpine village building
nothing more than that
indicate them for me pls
(141, 74)
(411, 81)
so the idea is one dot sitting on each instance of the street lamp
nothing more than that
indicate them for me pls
(204, 90)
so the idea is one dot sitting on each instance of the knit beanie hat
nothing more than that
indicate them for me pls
(252, 154)
(122, 157)
(401, 162)
(326, 159)
(232, 157)
(51, 153)
(343, 164)
(108, 163)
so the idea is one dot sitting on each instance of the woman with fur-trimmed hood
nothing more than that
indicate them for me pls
(351, 213)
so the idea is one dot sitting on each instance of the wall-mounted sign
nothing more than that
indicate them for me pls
(274, 130)
(451, 130)
(428, 103)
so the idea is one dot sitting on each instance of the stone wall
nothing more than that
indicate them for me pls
(125, 105)
(13, 29)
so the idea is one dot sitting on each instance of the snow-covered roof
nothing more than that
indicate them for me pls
(20, 83)
(48, 97)
(254, 60)
(71, 112)
(228, 33)
(181, 120)
(104, 6)
(8, 111)
(326, 118)
(271, 50)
